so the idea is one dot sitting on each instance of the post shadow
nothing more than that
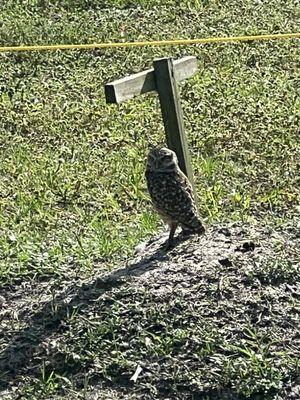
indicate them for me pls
(17, 357)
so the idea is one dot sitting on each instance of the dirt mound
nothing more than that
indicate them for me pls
(214, 318)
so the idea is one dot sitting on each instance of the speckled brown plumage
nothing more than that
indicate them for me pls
(171, 192)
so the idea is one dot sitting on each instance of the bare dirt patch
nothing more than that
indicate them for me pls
(215, 318)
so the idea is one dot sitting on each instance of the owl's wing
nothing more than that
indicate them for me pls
(188, 215)
(179, 199)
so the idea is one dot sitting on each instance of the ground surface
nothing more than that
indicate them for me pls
(73, 204)
(195, 319)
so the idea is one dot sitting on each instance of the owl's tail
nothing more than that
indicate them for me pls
(194, 225)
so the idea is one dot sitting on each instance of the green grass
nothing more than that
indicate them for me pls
(67, 197)
(73, 197)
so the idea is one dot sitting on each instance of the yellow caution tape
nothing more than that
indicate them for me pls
(149, 43)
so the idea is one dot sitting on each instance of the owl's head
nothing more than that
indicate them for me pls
(162, 159)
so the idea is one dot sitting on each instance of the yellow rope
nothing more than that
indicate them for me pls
(149, 43)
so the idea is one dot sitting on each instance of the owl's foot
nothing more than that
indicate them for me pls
(168, 245)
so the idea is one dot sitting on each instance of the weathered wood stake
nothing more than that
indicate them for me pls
(169, 98)
(163, 78)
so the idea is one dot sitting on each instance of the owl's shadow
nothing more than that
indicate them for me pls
(18, 355)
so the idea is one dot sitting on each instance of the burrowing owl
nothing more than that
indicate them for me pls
(171, 192)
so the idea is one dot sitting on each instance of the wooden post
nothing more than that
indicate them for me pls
(169, 98)
(163, 78)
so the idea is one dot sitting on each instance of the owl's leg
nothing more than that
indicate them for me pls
(173, 226)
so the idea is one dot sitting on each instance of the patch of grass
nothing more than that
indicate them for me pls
(275, 271)
(67, 196)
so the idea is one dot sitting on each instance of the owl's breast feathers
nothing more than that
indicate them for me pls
(172, 197)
